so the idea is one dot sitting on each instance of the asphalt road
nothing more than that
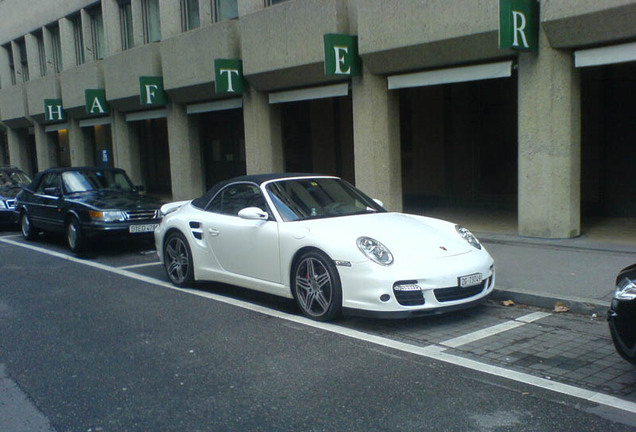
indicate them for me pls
(103, 343)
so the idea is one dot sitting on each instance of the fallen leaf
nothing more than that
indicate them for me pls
(560, 307)
(508, 303)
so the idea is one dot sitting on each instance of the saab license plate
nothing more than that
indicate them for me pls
(146, 228)
(470, 280)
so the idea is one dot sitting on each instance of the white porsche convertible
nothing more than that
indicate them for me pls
(323, 242)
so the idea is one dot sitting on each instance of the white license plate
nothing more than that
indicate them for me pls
(146, 228)
(470, 280)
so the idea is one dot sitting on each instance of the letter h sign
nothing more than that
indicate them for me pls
(519, 25)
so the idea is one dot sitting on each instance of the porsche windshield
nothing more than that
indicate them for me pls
(300, 199)
(84, 181)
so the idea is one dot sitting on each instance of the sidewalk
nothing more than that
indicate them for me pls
(578, 272)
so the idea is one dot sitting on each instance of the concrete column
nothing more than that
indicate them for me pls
(246, 7)
(138, 22)
(18, 153)
(17, 65)
(33, 56)
(112, 26)
(186, 165)
(549, 144)
(5, 69)
(82, 152)
(126, 153)
(67, 41)
(45, 148)
(263, 135)
(376, 135)
(206, 12)
(170, 16)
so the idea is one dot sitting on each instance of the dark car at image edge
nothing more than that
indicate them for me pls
(85, 203)
(12, 179)
(622, 314)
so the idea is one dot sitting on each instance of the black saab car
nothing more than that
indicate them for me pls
(11, 181)
(84, 203)
(622, 314)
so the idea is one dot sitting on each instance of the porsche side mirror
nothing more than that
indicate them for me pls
(253, 213)
(378, 202)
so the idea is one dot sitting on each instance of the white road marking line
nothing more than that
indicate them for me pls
(491, 331)
(139, 265)
(432, 351)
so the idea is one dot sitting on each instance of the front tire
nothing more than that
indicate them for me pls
(74, 236)
(177, 257)
(316, 286)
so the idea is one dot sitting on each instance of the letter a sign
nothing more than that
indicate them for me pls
(96, 102)
(519, 25)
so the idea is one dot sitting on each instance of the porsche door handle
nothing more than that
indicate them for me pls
(213, 232)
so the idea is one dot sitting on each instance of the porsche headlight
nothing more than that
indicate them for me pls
(375, 251)
(625, 290)
(468, 236)
(107, 216)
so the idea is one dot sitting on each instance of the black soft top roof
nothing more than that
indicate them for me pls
(257, 179)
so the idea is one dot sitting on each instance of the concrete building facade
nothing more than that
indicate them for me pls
(427, 110)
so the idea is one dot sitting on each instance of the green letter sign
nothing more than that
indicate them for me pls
(341, 55)
(53, 111)
(519, 24)
(96, 101)
(151, 91)
(228, 76)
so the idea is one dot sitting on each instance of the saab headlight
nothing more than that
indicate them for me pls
(468, 236)
(107, 216)
(625, 290)
(375, 251)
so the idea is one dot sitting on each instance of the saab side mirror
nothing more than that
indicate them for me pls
(52, 191)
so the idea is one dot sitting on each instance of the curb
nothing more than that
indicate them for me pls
(575, 305)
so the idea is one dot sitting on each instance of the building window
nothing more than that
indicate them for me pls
(273, 2)
(24, 64)
(225, 10)
(39, 37)
(78, 38)
(97, 31)
(152, 22)
(125, 17)
(190, 14)
(56, 47)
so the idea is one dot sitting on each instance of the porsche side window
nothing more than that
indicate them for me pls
(236, 197)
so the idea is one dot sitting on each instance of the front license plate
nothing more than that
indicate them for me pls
(470, 280)
(146, 228)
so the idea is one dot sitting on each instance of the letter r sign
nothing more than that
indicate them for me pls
(519, 25)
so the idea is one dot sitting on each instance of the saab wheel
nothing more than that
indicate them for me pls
(177, 258)
(316, 286)
(74, 237)
(28, 232)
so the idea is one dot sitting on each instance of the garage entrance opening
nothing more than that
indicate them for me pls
(608, 142)
(222, 145)
(318, 136)
(459, 148)
(155, 156)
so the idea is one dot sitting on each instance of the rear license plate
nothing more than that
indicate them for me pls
(146, 228)
(470, 280)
